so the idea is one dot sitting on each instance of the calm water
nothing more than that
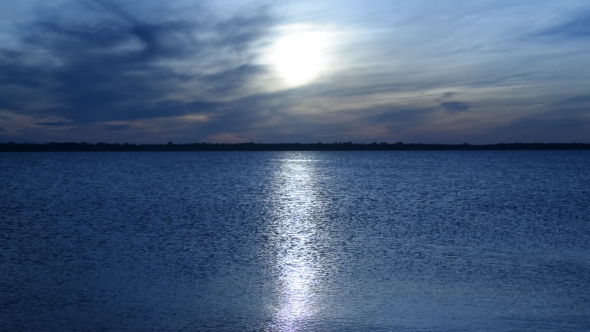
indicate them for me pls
(295, 241)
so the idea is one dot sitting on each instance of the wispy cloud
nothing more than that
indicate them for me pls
(455, 106)
(109, 63)
(577, 27)
(53, 124)
(449, 71)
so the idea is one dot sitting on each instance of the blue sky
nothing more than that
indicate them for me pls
(223, 71)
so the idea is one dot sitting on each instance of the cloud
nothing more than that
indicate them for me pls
(116, 70)
(53, 124)
(534, 129)
(232, 79)
(578, 100)
(7, 106)
(578, 27)
(122, 127)
(101, 61)
(455, 106)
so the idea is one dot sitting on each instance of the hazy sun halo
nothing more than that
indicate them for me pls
(299, 58)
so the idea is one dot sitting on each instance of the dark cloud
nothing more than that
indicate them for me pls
(534, 129)
(250, 114)
(578, 27)
(455, 106)
(269, 117)
(7, 106)
(393, 115)
(53, 124)
(118, 127)
(100, 61)
(449, 94)
(232, 79)
(578, 100)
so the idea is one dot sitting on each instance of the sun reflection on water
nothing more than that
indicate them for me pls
(296, 232)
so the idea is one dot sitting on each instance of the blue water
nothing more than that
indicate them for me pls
(295, 241)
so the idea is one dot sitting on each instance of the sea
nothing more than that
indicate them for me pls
(295, 241)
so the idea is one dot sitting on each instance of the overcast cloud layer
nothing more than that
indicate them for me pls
(414, 71)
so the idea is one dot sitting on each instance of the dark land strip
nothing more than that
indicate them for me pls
(348, 146)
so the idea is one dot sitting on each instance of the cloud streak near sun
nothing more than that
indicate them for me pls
(414, 71)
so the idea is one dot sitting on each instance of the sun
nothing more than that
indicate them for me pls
(299, 58)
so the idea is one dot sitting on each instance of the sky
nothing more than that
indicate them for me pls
(228, 71)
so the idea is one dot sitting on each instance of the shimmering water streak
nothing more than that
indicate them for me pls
(296, 261)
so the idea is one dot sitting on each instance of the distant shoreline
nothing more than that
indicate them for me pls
(106, 147)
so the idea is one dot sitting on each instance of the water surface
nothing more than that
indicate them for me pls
(295, 241)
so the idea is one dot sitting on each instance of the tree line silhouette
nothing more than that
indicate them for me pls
(337, 146)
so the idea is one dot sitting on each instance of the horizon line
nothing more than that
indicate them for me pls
(251, 146)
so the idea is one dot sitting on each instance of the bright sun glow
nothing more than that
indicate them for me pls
(299, 58)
